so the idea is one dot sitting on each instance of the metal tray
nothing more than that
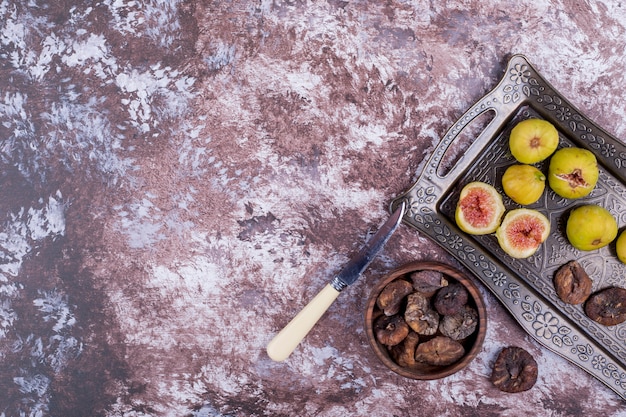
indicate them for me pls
(524, 286)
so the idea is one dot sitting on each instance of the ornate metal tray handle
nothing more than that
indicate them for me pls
(524, 287)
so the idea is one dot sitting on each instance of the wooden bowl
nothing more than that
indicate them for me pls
(472, 343)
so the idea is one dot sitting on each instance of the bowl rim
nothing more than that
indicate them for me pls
(454, 273)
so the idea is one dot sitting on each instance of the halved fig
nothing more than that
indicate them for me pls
(480, 209)
(522, 232)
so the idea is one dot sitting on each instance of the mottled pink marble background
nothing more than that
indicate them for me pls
(179, 177)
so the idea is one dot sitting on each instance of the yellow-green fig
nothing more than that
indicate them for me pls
(524, 184)
(533, 140)
(573, 172)
(479, 209)
(522, 232)
(620, 247)
(590, 227)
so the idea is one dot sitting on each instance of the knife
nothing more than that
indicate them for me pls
(290, 336)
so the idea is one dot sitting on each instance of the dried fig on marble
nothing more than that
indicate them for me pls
(439, 351)
(460, 325)
(515, 370)
(607, 306)
(419, 316)
(404, 353)
(391, 297)
(450, 299)
(572, 284)
(428, 281)
(390, 330)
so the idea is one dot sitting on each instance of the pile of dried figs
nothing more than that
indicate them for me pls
(425, 318)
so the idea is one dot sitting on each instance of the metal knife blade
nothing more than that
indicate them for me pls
(355, 267)
(284, 343)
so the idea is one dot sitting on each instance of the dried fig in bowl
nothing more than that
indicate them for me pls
(391, 330)
(428, 281)
(392, 296)
(450, 299)
(439, 351)
(404, 353)
(420, 316)
(460, 325)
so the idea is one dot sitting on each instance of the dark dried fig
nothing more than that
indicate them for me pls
(439, 351)
(572, 284)
(390, 330)
(428, 281)
(607, 306)
(391, 297)
(515, 370)
(419, 316)
(404, 353)
(450, 299)
(460, 325)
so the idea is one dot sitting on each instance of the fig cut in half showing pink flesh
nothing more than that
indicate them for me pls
(480, 209)
(522, 232)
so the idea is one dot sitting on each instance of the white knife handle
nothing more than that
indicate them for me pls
(288, 338)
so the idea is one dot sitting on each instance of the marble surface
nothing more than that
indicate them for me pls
(179, 177)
